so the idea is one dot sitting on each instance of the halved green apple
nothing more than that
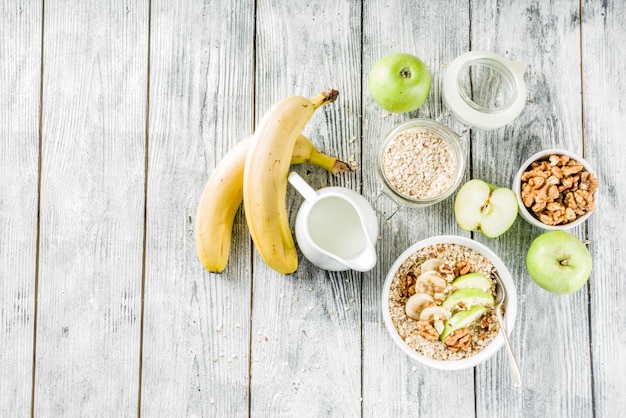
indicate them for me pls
(468, 297)
(462, 319)
(472, 281)
(482, 207)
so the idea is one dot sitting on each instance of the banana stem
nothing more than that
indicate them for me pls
(341, 167)
(327, 96)
(332, 164)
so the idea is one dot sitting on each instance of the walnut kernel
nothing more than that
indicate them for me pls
(459, 340)
(558, 190)
(427, 331)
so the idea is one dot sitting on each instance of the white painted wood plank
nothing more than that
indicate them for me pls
(604, 92)
(20, 71)
(301, 335)
(92, 208)
(393, 384)
(306, 326)
(551, 337)
(196, 332)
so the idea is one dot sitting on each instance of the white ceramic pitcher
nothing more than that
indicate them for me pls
(336, 228)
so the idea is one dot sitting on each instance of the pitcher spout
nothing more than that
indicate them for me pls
(364, 261)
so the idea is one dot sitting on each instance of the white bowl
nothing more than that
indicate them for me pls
(510, 304)
(517, 188)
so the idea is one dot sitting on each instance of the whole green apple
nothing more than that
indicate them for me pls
(399, 82)
(558, 262)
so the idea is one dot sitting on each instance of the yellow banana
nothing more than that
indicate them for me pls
(223, 194)
(265, 178)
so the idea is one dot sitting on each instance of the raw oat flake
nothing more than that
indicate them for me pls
(419, 164)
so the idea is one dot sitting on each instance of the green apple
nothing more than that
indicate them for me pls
(468, 298)
(462, 319)
(472, 281)
(399, 82)
(482, 207)
(558, 262)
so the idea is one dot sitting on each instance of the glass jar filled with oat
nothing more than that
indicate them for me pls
(421, 162)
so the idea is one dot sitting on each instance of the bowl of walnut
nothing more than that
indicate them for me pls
(438, 302)
(556, 189)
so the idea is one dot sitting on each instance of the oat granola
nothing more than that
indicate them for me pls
(423, 336)
(419, 164)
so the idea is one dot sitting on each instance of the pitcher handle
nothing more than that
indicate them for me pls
(302, 187)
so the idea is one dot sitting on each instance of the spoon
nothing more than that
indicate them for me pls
(500, 299)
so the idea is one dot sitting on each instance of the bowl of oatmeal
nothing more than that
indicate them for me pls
(438, 302)
(556, 189)
(420, 163)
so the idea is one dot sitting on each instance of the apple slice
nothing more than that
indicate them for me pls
(472, 281)
(462, 319)
(485, 208)
(468, 298)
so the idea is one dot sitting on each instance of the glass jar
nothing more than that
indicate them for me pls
(481, 90)
(431, 178)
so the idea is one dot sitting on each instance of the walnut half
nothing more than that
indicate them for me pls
(427, 331)
(558, 190)
(459, 340)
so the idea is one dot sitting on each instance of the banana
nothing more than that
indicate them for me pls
(416, 304)
(430, 282)
(434, 313)
(265, 178)
(432, 264)
(223, 194)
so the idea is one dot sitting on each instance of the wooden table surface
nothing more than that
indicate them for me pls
(113, 115)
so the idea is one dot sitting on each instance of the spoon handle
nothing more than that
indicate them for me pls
(515, 373)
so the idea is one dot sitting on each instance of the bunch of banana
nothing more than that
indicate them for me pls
(265, 177)
(224, 193)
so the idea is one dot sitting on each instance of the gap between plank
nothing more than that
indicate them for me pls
(471, 172)
(362, 81)
(38, 227)
(145, 214)
(251, 275)
(582, 135)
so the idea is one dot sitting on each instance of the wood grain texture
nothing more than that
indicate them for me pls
(20, 75)
(394, 385)
(196, 332)
(604, 92)
(552, 333)
(306, 326)
(92, 206)
(250, 342)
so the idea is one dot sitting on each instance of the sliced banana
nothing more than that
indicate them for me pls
(434, 313)
(439, 326)
(432, 264)
(416, 304)
(430, 282)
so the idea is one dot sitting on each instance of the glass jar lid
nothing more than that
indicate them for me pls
(484, 90)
